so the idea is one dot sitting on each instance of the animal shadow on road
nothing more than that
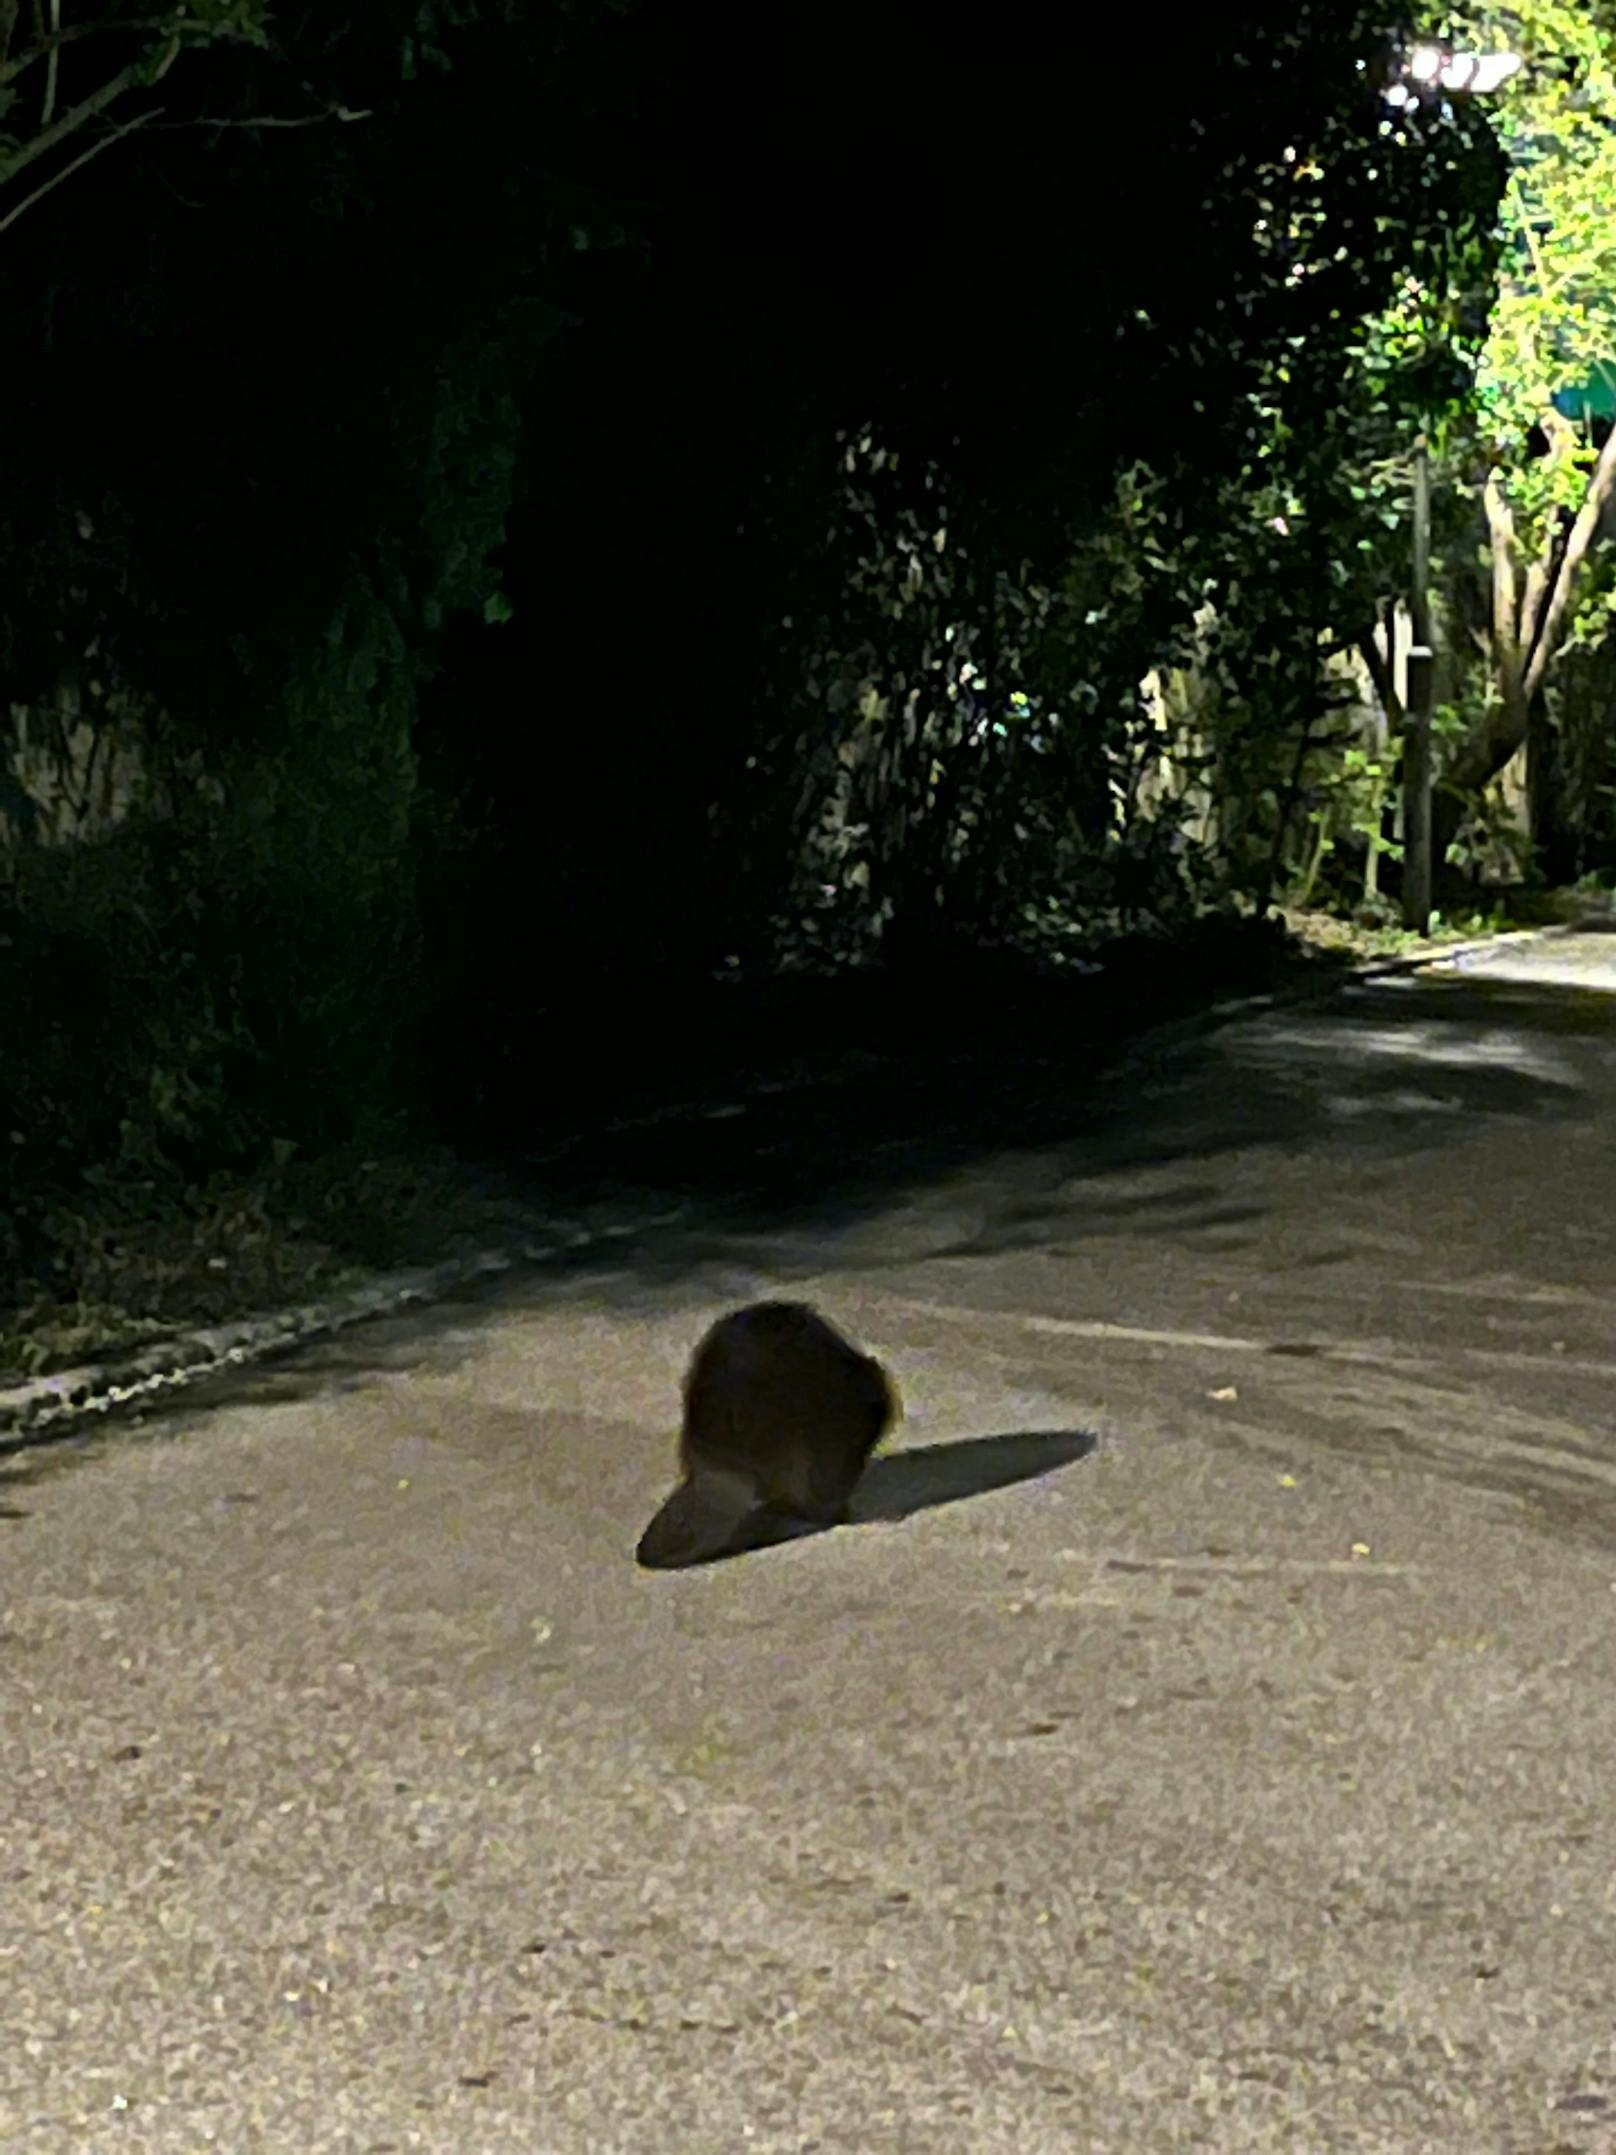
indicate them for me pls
(898, 1484)
(895, 1484)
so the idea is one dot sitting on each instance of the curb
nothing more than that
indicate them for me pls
(31, 1412)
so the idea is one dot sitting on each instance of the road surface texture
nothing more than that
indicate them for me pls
(1205, 1736)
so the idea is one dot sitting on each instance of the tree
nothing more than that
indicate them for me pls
(1184, 295)
(70, 89)
(264, 412)
(1549, 483)
(1281, 510)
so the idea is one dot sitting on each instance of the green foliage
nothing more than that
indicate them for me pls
(1553, 330)
(1544, 374)
(284, 343)
(887, 704)
(1349, 796)
(976, 723)
(1373, 260)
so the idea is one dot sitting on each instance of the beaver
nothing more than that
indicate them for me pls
(781, 1413)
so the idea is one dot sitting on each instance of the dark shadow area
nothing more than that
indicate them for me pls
(1390, 1068)
(716, 1039)
(18, 1473)
(900, 1484)
(897, 1484)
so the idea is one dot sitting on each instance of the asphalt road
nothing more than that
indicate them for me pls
(1205, 1737)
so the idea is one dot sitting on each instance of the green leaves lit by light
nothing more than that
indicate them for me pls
(1554, 327)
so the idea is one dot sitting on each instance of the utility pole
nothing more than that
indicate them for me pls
(1417, 713)
(1423, 73)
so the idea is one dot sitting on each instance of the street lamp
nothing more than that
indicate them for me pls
(1428, 73)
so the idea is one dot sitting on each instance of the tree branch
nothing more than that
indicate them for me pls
(1380, 675)
(1506, 618)
(24, 154)
(43, 47)
(1584, 531)
(102, 142)
(343, 113)
(47, 105)
(1539, 582)
(1488, 746)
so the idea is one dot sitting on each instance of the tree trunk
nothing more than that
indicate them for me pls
(1528, 623)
